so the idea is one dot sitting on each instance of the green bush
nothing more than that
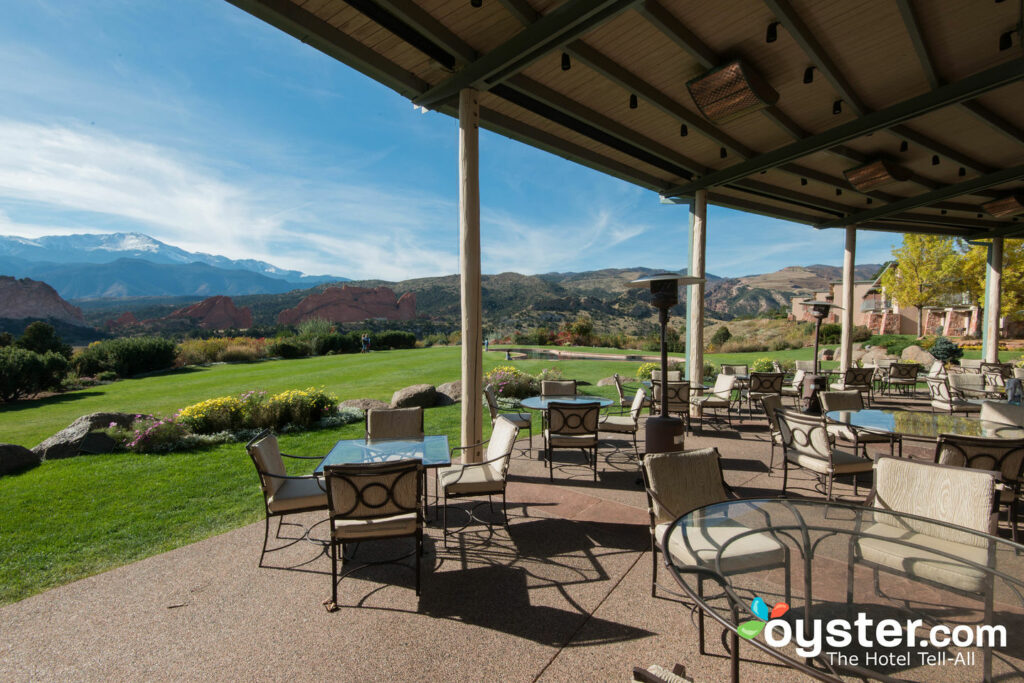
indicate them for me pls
(126, 356)
(830, 333)
(511, 382)
(257, 410)
(761, 365)
(721, 335)
(860, 333)
(946, 351)
(288, 347)
(41, 337)
(393, 339)
(24, 372)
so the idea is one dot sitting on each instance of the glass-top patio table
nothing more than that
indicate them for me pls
(432, 450)
(790, 578)
(542, 402)
(922, 426)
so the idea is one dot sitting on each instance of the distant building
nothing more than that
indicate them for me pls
(874, 309)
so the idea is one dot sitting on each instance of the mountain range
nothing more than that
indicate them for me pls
(88, 266)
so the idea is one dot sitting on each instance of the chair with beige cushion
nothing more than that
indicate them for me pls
(849, 401)
(1005, 456)
(772, 403)
(795, 389)
(572, 426)
(623, 424)
(964, 385)
(943, 400)
(928, 552)
(620, 388)
(678, 399)
(806, 443)
(682, 481)
(520, 420)
(1004, 413)
(486, 478)
(735, 369)
(673, 375)
(558, 387)
(805, 365)
(394, 423)
(763, 384)
(372, 502)
(859, 379)
(719, 397)
(283, 494)
(903, 376)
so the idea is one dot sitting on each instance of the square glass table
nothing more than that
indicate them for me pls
(431, 450)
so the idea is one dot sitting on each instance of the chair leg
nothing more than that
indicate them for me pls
(785, 470)
(334, 576)
(594, 462)
(444, 518)
(266, 535)
(828, 494)
(504, 507)
(419, 553)
(654, 566)
(700, 617)
(636, 449)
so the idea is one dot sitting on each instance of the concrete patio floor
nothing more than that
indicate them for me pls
(562, 594)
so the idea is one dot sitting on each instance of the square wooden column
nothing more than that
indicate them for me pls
(469, 272)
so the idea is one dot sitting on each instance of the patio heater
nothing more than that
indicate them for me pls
(663, 431)
(820, 311)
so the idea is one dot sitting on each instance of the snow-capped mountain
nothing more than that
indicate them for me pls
(106, 248)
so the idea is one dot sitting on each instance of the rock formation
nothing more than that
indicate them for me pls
(350, 304)
(216, 313)
(126, 319)
(33, 299)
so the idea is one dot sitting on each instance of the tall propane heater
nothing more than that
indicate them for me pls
(663, 432)
(819, 310)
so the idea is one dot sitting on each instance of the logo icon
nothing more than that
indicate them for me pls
(751, 628)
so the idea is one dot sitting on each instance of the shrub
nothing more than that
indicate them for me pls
(6, 339)
(946, 351)
(148, 434)
(41, 337)
(740, 345)
(393, 339)
(200, 351)
(288, 347)
(721, 335)
(126, 356)
(830, 333)
(24, 372)
(510, 382)
(238, 353)
(761, 365)
(300, 407)
(106, 376)
(315, 327)
(212, 415)
(860, 333)
(548, 374)
(893, 343)
(644, 371)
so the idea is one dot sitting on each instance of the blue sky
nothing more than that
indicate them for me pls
(197, 124)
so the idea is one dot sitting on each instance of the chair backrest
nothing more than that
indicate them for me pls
(772, 403)
(680, 481)
(492, 403)
(904, 370)
(734, 369)
(963, 380)
(972, 365)
(558, 387)
(798, 379)
(766, 382)
(503, 441)
(859, 377)
(1005, 456)
(804, 434)
(618, 388)
(841, 400)
(673, 375)
(394, 423)
(1004, 413)
(777, 367)
(938, 389)
(266, 456)
(938, 369)
(372, 490)
(678, 394)
(724, 385)
(805, 365)
(1004, 370)
(638, 404)
(573, 418)
(946, 494)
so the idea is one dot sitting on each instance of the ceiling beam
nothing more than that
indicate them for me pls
(561, 25)
(383, 17)
(804, 37)
(969, 87)
(675, 30)
(429, 28)
(1004, 230)
(967, 187)
(314, 31)
(521, 10)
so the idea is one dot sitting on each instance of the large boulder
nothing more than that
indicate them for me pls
(418, 395)
(449, 393)
(826, 354)
(606, 382)
(81, 436)
(917, 354)
(364, 403)
(875, 354)
(14, 458)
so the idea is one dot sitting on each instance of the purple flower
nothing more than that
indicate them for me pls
(112, 424)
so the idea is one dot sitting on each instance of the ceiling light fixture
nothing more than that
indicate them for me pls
(809, 74)
(730, 91)
(837, 107)
(476, 3)
(904, 146)
(723, 152)
(633, 102)
(566, 62)
(1006, 41)
(772, 34)
(935, 160)
(683, 131)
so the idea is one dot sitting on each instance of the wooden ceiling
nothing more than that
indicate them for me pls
(930, 86)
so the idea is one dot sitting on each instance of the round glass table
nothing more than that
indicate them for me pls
(541, 402)
(912, 424)
(806, 582)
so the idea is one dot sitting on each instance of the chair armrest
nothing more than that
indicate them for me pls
(304, 457)
(466, 448)
(292, 476)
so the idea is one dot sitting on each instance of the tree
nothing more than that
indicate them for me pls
(973, 267)
(721, 335)
(582, 329)
(926, 269)
(40, 337)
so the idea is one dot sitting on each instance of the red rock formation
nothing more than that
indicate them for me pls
(33, 299)
(217, 313)
(350, 304)
(124, 320)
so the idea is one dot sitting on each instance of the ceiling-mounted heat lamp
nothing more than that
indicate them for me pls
(876, 173)
(730, 91)
(1010, 205)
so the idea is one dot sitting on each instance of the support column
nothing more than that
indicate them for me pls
(469, 260)
(695, 293)
(993, 297)
(846, 335)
